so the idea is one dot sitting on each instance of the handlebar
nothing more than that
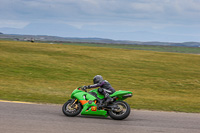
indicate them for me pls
(82, 88)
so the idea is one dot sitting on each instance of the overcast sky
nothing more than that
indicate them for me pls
(137, 20)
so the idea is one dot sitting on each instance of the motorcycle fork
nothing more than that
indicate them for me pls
(73, 105)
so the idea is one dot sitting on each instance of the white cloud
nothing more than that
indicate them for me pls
(97, 10)
(13, 23)
(104, 15)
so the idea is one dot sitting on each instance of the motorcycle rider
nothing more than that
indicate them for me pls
(105, 87)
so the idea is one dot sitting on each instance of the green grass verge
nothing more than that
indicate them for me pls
(175, 49)
(48, 73)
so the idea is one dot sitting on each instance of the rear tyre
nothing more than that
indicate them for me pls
(122, 112)
(71, 110)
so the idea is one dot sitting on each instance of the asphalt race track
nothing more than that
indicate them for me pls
(40, 118)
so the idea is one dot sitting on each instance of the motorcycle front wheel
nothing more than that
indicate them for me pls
(70, 109)
(122, 112)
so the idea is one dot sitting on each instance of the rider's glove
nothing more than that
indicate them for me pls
(85, 87)
(88, 87)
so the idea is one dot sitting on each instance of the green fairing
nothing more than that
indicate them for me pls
(78, 94)
(120, 94)
(90, 112)
(98, 94)
(87, 108)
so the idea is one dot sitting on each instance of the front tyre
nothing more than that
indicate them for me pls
(70, 109)
(122, 112)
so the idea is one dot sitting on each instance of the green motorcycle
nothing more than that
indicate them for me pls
(92, 103)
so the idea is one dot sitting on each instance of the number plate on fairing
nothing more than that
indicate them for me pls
(93, 108)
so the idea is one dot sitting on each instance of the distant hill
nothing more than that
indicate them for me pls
(46, 38)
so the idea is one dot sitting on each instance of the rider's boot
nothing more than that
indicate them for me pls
(108, 99)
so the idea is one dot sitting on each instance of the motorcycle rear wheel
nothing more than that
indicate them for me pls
(71, 111)
(121, 113)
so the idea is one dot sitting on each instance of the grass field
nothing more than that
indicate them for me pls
(175, 49)
(48, 73)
